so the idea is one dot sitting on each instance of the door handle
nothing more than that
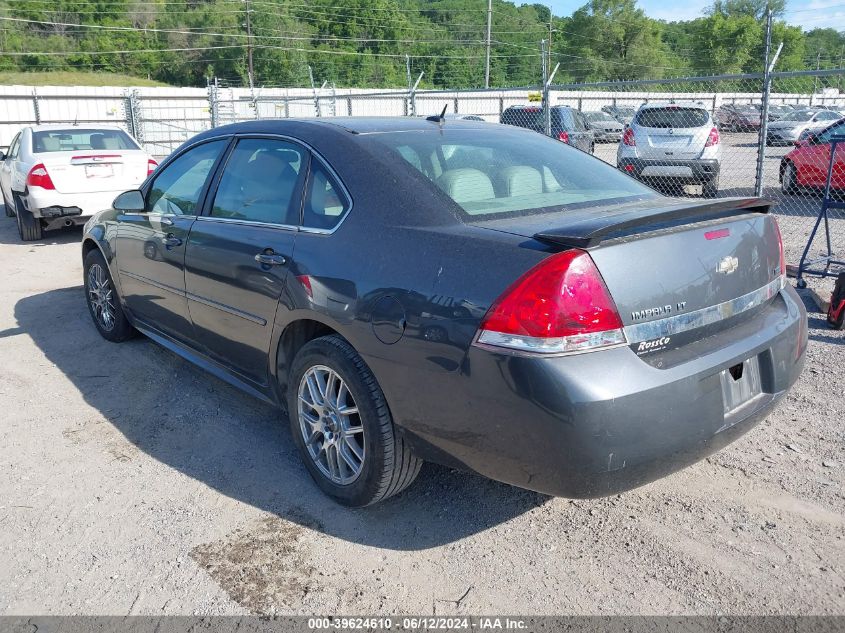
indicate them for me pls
(165, 221)
(171, 241)
(271, 259)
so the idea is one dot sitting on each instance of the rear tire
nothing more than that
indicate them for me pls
(710, 188)
(103, 300)
(357, 458)
(29, 227)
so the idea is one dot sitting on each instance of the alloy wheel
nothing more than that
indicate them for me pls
(331, 425)
(789, 177)
(101, 297)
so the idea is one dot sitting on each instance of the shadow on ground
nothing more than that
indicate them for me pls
(202, 427)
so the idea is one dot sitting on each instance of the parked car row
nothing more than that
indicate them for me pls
(446, 290)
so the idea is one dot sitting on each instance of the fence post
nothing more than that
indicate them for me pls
(133, 115)
(35, 107)
(213, 103)
(349, 106)
(764, 109)
(412, 97)
(547, 106)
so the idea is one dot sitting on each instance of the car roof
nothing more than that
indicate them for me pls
(657, 105)
(69, 126)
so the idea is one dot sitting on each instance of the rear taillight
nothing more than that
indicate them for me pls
(712, 138)
(780, 247)
(628, 137)
(151, 166)
(563, 136)
(561, 305)
(38, 177)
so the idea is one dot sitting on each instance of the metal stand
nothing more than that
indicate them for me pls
(811, 267)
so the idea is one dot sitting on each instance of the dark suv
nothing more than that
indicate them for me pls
(568, 125)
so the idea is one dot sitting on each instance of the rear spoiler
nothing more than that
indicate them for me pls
(593, 228)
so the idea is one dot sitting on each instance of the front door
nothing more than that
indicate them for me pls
(6, 166)
(239, 253)
(151, 245)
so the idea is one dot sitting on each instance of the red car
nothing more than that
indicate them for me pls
(806, 165)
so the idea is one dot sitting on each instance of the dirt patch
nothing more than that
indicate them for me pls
(263, 568)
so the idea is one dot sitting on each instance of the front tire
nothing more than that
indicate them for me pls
(789, 179)
(342, 426)
(103, 302)
(29, 227)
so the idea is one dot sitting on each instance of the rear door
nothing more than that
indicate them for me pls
(151, 245)
(239, 252)
(673, 133)
(6, 167)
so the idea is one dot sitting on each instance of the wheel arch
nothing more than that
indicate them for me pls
(290, 340)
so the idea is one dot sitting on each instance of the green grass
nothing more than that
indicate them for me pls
(73, 78)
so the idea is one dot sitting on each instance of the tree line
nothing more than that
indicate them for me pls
(384, 43)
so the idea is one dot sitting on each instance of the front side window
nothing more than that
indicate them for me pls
(74, 140)
(260, 182)
(493, 173)
(325, 203)
(177, 189)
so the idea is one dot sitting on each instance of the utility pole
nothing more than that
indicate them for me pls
(551, 19)
(250, 68)
(489, 27)
(408, 70)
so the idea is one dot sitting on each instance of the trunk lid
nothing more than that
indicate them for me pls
(86, 171)
(663, 258)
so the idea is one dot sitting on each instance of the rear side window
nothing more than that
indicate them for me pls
(672, 117)
(325, 203)
(260, 182)
(74, 140)
(501, 172)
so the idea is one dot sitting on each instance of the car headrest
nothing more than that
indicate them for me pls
(50, 144)
(520, 180)
(98, 141)
(466, 185)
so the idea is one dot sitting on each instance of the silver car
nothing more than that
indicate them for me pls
(57, 176)
(790, 127)
(671, 145)
(606, 128)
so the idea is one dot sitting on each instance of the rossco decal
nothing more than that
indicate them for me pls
(652, 346)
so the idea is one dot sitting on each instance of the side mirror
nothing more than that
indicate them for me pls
(2, 156)
(130, 201)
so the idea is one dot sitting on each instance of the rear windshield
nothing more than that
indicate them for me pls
(500, 172)
(74, 139)
(672, 117)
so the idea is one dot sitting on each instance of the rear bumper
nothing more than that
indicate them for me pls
(52, 204)
(697, 171)
(597, 424)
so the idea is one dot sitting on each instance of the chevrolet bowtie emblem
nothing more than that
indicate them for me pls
(727, 265)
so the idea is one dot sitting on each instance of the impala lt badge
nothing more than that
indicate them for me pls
(728, 265)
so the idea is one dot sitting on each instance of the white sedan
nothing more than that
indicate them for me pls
(58, 176)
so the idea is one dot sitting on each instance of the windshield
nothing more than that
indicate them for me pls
(506, 172)
(672, 117)
(800, 115)
(74, 140)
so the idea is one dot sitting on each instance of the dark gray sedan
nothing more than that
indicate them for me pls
(480, 296)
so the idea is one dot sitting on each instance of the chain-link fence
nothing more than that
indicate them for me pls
(700, 136)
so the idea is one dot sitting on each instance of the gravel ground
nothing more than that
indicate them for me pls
(133, 483)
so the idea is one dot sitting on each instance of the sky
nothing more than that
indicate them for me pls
(808, 14)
